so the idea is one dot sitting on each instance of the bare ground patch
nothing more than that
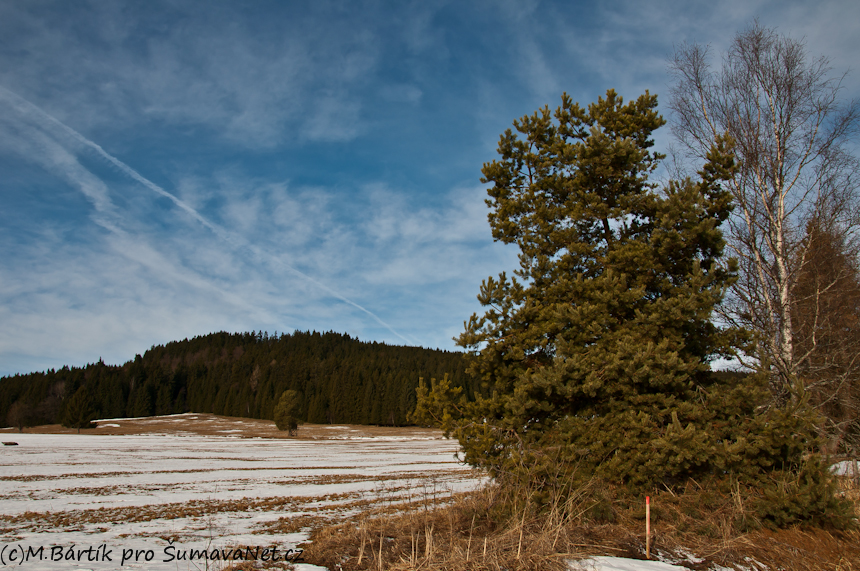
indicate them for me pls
(205, 424)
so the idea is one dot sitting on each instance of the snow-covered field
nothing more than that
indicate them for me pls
(156, 497)
(157, 493)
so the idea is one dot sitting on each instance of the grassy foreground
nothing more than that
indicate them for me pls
(487, 530)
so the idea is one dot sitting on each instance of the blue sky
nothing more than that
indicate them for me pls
(170, 169)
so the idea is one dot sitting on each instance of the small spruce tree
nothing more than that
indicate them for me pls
(287, 411)
(79, 412)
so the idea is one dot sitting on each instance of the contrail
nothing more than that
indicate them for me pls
(217, 230)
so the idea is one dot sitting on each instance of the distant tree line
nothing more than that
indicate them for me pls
(340, 380)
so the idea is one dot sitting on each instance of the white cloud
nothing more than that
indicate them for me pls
(215, 70)
(140, 269)
(430, 245)
(332, 119)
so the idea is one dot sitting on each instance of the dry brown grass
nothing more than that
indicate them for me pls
(205, 424)
(466, 535)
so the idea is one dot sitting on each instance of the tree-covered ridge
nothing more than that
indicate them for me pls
(341, 380)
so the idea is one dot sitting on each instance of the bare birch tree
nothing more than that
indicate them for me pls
(791, 139)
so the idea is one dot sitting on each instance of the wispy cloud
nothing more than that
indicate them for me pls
(94, 189)
(180, 166)
(255, 85)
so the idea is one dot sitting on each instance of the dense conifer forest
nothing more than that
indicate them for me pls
(339, 380)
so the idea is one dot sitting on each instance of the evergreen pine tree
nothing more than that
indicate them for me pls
(596, 353)
(79, 411)
(143, 401)
(826, 321)
(287, 411)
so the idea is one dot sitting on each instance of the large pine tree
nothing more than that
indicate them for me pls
(596, 353)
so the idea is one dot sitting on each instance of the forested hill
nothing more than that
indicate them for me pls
(341, 380)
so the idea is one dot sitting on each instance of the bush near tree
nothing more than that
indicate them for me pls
(596, 353)
(287, 412)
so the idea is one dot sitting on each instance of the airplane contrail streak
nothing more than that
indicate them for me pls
(214, 228)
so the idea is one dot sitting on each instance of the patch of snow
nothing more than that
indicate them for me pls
(688, 556)
(385, 438)
(204, 490)
(603, 563)
(178, 415)
(846, 468)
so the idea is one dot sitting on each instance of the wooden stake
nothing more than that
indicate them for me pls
(647, 527)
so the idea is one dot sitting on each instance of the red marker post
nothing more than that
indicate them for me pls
(647, 527)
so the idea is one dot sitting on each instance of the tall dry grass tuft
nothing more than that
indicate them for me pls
(497, 528)
(489, 529)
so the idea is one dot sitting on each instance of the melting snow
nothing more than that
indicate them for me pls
(139, 491)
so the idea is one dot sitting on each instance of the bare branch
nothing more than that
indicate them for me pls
(795, 175)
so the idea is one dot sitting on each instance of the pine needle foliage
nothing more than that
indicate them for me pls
(79, 412)
(287, 411)
(596, 353)
(341, 379)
